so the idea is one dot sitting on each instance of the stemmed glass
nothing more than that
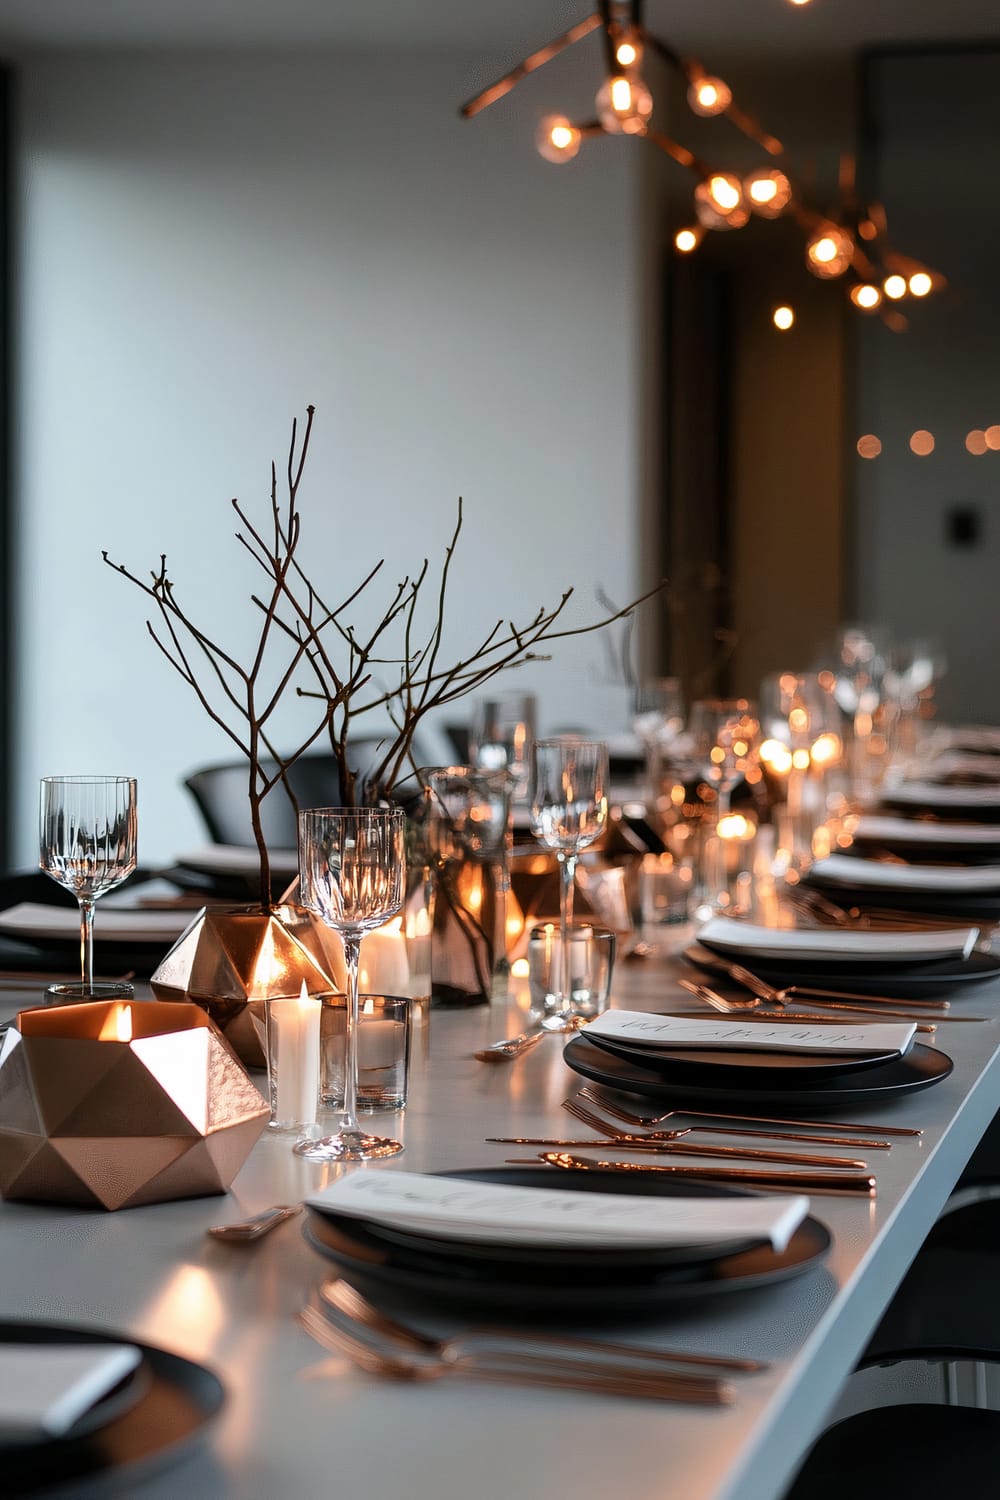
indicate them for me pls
(724, 731)
(87, 843)
(352, 872)
(569, 810)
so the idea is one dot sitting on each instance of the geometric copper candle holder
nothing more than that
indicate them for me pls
(115, 1103)
(228, 960)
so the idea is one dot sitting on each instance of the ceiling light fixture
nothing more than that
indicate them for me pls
(722, 200)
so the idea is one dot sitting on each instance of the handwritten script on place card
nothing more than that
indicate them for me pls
(458, 1208)
(674, 1032)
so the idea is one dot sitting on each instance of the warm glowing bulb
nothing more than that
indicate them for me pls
(830, 251)
(992, 436)
(624, 105)
(869, 446)
(894, 287)
(627, 53)
(718, 202)
(975, 442)
(922, 442)
(866, 296)
(920, 284)
(783, 317)
(768, 192)
(686, 240)
(709, 96)
(826, 749)
(557, 139)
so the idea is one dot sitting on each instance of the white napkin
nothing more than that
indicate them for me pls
(864, 945)
(30, 919)
(235, 859)
(929, 795)
(45, 1388)
(874, 828)
(453, 1208)
(674, 1033)
(851, 870)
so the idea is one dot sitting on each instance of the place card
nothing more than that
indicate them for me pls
(674, 1033)
(851, 870)
(456, 1208)
(46, 1388)
(861, 944)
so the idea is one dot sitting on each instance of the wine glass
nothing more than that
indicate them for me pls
(724, 731)
(500, 737)
(87, 843)
(657, 720)
(569, 810)
(352, 872)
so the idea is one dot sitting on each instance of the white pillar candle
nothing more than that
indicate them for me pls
(383, 967)
(296, 1051)
(379, 1041)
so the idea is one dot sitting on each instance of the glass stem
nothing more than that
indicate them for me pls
(87, 941)
(567, 869)
(352, 958)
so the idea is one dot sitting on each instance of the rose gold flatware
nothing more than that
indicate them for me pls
(685, 1148)
(341, 1295)
(244, 1231)
(511, 1047)
(586, 1117)
(766, 991)
(345, 1336)
(799, 1182)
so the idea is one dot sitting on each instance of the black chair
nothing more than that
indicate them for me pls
(221, 794)
(916, 1449)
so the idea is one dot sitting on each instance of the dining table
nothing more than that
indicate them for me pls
(298, 1422)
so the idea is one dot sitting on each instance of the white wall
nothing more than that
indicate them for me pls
(206, 244)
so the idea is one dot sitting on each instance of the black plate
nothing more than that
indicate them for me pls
(956, 811)
(500, 1286)
(725, 1069)
(921, 1067)
(955, 906)
(922, 979)
(126, 1435)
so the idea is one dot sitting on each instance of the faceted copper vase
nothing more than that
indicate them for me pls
(230, 958)
(113, 1104)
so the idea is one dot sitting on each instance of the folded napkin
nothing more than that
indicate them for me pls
(929, 794)
(676, 1033)
(789, 943)
(32, 920)
(874, 828)
(234, 859)
(874, 874)
(453, 1208)
(45, 1388)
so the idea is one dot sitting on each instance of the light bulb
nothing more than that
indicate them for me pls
(783, 318)
(718, 202)
(920, 284)
(768, 192)
(829, 251)
(894, 287)
(709, 96)
(556, 139)
(866, 296)
(624, 105)
(628, 49)
(688, 239)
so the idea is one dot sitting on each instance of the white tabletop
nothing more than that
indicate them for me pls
(300, 1424)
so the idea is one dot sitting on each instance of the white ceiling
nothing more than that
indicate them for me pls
(504, 28)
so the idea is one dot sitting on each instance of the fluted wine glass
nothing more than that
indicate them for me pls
(87, 843)
(569, 810)
(352, 874)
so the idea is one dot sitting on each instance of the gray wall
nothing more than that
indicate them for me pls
(206, 244)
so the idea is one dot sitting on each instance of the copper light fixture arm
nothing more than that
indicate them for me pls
(535, 60)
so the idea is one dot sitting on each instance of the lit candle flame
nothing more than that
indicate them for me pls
(117, 1025)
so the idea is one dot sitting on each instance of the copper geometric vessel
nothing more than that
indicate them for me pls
(229, 959)
(115, 1104)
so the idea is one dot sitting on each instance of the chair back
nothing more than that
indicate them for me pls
(221, 794)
